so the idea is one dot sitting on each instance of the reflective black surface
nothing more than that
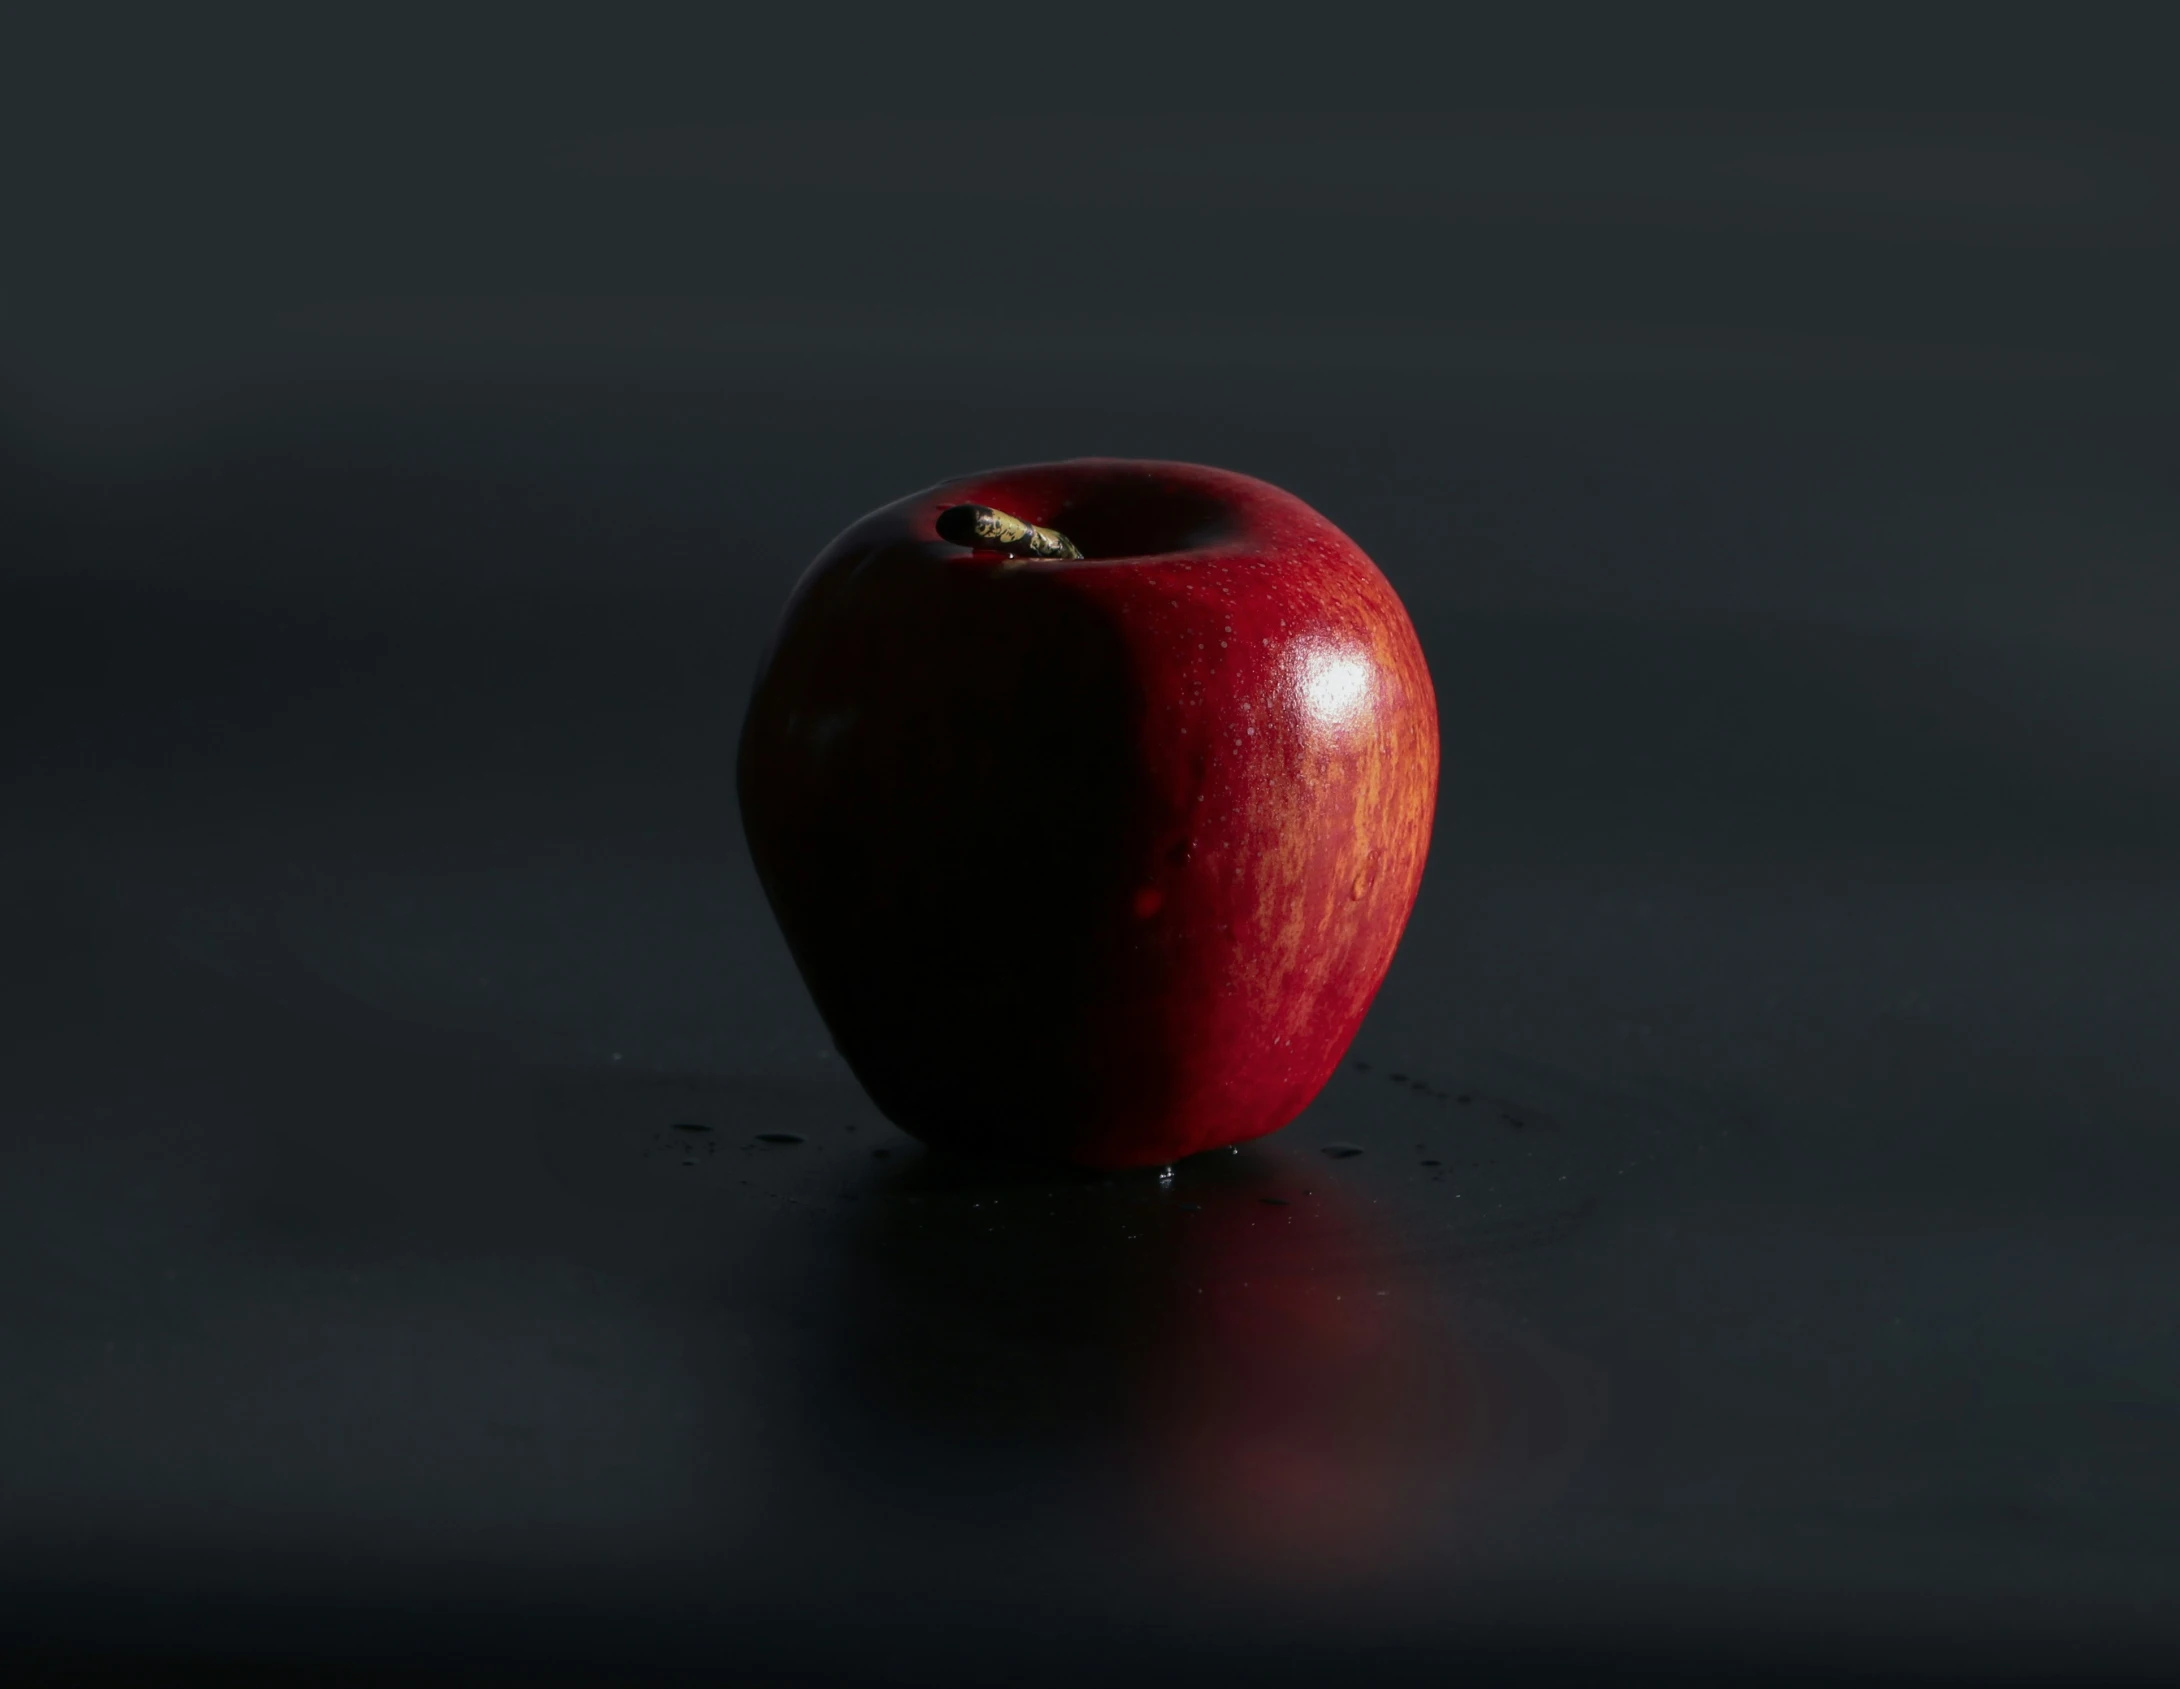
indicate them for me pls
(1760, 1256)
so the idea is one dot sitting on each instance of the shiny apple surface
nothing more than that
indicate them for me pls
(1102, 859)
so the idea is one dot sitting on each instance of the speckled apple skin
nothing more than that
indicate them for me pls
(1096, 861)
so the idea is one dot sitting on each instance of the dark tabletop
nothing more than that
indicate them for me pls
(434, 1230)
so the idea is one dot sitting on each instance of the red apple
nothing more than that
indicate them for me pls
(1103, 858)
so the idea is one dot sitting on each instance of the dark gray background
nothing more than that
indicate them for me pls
(1764, 1260)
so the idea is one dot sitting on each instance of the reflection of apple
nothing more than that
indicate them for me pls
(1100, 857)
(1301, 1418)
(1275, 1391)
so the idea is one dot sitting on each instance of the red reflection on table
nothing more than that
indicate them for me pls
(1301, 1411)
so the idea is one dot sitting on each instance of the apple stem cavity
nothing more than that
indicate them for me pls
(981, 528)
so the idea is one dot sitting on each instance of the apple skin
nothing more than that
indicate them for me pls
(1103, 860)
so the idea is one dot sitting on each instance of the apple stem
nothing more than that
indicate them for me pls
(981, 528)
